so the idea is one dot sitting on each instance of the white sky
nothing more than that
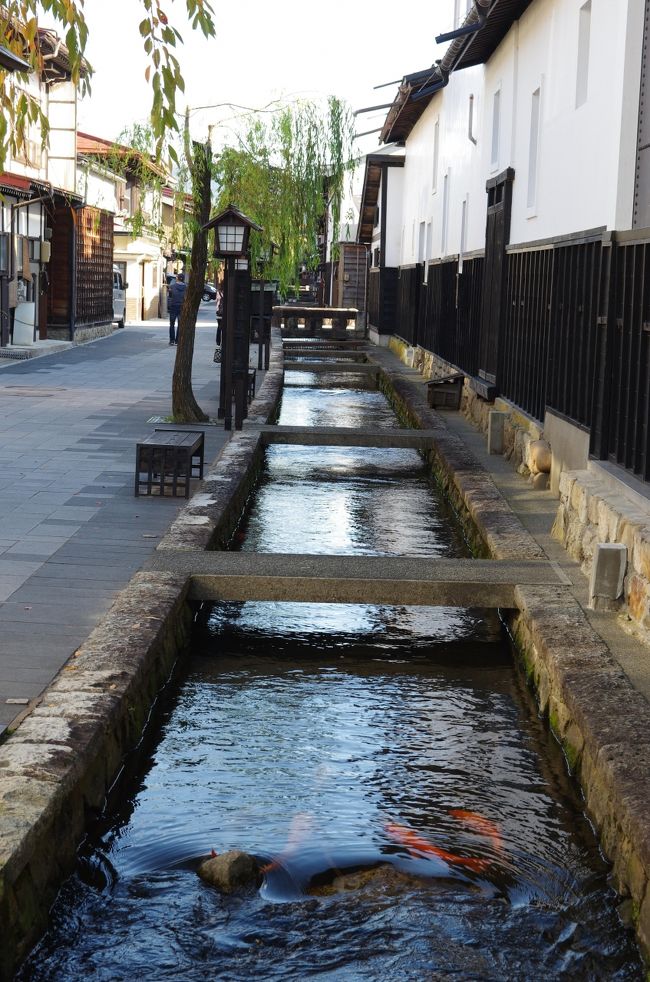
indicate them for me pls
(262, 51)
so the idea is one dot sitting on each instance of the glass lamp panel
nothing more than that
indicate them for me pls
(231, 238)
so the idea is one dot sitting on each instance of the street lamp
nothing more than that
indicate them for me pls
(231, 232)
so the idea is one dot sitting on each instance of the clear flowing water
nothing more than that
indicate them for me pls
(325, 738)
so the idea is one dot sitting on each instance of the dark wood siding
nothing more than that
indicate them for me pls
(351, 283)
(59, 298)
(94, 254)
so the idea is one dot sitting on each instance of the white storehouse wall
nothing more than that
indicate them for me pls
(584, 148)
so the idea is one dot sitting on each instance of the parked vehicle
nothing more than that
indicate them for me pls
(119, 297)
(209, 292)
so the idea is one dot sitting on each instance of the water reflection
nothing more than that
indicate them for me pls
(310, 763)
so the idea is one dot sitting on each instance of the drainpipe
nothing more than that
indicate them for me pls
(476, 16)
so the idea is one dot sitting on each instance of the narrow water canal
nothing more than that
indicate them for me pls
(399, 742)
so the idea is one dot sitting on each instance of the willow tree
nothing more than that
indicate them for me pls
(287, 174)
(19, 32)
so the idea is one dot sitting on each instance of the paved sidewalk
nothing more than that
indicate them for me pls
(72, 533)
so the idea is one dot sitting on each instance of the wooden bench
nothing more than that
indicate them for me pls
(167, 459)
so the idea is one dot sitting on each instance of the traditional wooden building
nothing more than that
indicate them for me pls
(140, 248)
(55, 271)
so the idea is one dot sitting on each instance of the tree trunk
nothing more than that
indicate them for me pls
(185, 408)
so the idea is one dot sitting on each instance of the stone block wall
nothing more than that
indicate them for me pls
(590, 511)
(520, 430)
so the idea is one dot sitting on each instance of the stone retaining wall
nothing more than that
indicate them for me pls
(590, 511)
(520, 430)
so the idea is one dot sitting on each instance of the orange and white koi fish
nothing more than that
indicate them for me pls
(301, 826)
(418, 846)
(483, 826)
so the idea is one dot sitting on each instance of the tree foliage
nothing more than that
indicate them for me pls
(19, 23)
(287, 174)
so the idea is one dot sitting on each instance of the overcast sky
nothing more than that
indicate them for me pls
(262, 51)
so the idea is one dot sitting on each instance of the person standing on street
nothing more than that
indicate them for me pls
(175, 298)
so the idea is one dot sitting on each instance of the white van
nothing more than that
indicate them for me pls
(119, 297)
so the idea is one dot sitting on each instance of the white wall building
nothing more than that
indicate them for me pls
(558, 101)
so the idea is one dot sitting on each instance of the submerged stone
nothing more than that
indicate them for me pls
(383, 878)
(232, 870)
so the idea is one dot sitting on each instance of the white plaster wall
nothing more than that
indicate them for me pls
(586, 155)
(99, 188)
(458, 158)
(395, 185)
(62, 144)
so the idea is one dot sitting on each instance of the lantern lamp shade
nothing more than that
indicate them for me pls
(231, 231)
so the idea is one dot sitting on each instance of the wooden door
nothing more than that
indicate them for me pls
(497, 237)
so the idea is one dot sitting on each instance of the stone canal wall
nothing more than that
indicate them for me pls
(58, 765)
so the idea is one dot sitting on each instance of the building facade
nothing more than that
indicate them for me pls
(523, 212)
(55, 271)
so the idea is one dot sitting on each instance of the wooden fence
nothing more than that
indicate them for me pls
(574, 334)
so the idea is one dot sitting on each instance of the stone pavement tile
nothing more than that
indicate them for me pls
(12, 565)
(83, 613)
(20, 674)
(74, 513)
(42, 548)
(53, 498)
(62, 593)
(52, 530)
(76, 573)
(27, 655)
(41, 634)
(23, 688)
(17, 524)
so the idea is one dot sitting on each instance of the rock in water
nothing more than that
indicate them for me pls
(232, 870)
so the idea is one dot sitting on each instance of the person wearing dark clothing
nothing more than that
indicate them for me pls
(175, 298)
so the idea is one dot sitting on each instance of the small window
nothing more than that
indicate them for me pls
(436, 155)
(471, 120)
(422, 238)
(533, 149)
(584, 37)
(496, 124)
(445, 214)
(4, 254)
(463, 228)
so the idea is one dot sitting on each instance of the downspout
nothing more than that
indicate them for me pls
(74, 208)
(515, 93)
(478, 12)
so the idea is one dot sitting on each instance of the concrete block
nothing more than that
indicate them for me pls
(607, 572)
(496, 431)
(570, 446)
